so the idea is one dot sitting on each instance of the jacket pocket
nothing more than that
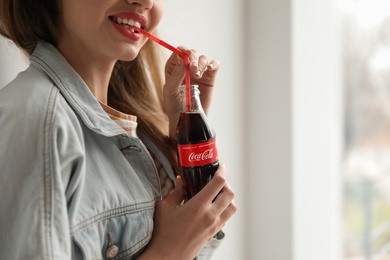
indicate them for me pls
(114, 237)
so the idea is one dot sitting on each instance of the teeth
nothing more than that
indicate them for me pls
(126, 21)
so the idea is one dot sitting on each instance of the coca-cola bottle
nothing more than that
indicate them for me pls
(196, 144)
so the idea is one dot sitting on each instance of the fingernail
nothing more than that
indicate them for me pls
(211, 65)
(179, 179)
(197, 73)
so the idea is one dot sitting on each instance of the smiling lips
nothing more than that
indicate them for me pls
(126, 22)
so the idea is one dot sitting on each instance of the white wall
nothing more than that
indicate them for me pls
(269, 139)
(317, 129)
(294, 140)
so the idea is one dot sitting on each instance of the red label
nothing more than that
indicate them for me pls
(191, 155)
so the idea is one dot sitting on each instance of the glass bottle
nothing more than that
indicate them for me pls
(196, 143)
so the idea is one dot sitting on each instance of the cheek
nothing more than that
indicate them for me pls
(156, 15)
(78, 15)
(72, 18)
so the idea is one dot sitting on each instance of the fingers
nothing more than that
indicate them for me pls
(216, 198)
(228, 212)
(178, 71)
(199, 64)
(224, 203)
(203, 72)
(220, 194)
(214, 187)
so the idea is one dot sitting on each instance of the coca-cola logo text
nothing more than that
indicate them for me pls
(199, 154)
(206, 155)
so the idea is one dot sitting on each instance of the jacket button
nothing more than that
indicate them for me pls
(112, 251)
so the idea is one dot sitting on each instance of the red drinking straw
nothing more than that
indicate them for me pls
(178, 52)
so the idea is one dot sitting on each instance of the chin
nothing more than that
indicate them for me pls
(128, 58)
(129, 55)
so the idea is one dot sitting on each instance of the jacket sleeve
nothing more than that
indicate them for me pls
(210, 248)
(34, 176)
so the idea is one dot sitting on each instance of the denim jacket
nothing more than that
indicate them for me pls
(73, 184)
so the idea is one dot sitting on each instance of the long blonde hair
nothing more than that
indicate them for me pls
(135, 87)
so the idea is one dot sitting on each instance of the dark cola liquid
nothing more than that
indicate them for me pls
(196, 178)
(193, 128)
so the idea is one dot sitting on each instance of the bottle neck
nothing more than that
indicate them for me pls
(194, 105)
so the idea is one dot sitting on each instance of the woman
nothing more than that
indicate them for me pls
(86, 138)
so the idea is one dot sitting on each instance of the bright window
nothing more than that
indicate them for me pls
(367, 134)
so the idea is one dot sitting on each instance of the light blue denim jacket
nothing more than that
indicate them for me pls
(73, 185)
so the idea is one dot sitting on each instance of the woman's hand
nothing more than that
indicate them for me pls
(203, 73)
(180, 232)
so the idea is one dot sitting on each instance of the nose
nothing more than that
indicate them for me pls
(146, 4)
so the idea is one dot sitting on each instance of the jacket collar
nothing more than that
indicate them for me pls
(49, 60)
